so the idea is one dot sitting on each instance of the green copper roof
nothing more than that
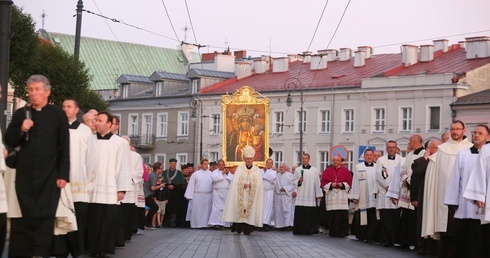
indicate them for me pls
(107, 60)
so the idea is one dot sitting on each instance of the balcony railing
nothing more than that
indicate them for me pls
(144, 141)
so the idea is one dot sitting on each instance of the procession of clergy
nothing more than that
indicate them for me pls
(431, 201)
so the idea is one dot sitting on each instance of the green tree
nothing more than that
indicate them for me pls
(69, 77)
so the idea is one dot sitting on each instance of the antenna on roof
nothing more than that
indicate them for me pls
(185, 29)
(43, 16)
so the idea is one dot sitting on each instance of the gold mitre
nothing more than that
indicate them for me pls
(245, 112)
(248, 152)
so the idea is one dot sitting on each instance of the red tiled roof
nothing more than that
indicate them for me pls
(343, 74)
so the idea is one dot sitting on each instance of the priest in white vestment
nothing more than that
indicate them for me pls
(269, 180)
(438, 218)
(221, 183)
(388, 212)
(362, 194)
(200, 192)
(245, 200)
(467, 217)
(283, 198)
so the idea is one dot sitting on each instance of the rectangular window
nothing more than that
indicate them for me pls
(196, 85)
(147, 128)
(324, 160)
(133, 124)
(213, 156)
(379, 120)
(434, 118)
(349, 121)
(277, 159)
(183, 124)
(406, 119)
(216, 124)
(301, 117)
(181, 159)
(279, 122)
(146, 158)
(159, 89)
(125, 90)
(160, 157)
(298, 158)
(162, 124)
(324, 121)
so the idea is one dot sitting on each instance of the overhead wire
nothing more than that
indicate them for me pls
(170, 20)
(194, 32)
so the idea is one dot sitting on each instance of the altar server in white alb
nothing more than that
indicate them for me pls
(128, 204)
(388, 212)
(200, 191)
(362, 195)
(269, 177)
(221, 183)
(112, 181)
(399, 192)
(467, 217)
(283, 198)
(82, 176)
(438, 220)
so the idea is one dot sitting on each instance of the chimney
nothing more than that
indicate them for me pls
(280, 64)
(477, 47)
(426, 53)
(345, 54)
(207, 57)
(241, 54)
(359, 58)
(441, 44)
(293, 58)
(368, 51)
(332, 54)
(307, 57)
(322, 52)
(462, 44)
(318, 62)
(243, 69)
(260, 66)
(409, 55)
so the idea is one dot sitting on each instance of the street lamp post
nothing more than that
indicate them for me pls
(295, 83)
(194, 105)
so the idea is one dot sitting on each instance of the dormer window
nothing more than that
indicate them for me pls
(196, 84)
(159, 89)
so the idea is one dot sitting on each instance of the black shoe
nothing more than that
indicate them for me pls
(103, 255)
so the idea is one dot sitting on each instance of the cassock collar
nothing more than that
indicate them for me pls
(391, 158)
(249, 167)
(307, 167)
(417, 151)
(368, 164)
(105, 137)
(474, 150)
(74, 125)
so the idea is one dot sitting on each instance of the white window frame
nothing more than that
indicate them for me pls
(213, 156)
(162, 126)
(429, 117)
(351, 121)
(381, 120)
(125, 90)
(215, 124)
(181, 158)
(278, 158)
(196, 83)
(299, 123)
(146, 131)
(183, 125)
(159, 88)
(163, 158)
(402, 119)
(146, 156)
(324, 159)
(350, 160)
(324, 124)
(133, 126)
(278, 121)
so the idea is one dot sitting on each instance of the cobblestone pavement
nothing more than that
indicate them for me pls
(173, 242)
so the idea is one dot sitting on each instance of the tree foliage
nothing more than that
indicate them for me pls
(69, 77)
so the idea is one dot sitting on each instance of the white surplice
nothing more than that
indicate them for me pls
(221, 184)
(363, 188)
(269, 180)
(200, 191)
(310, 188)
(385, 168)
(283, 200)
(136, 173)
(478, 185)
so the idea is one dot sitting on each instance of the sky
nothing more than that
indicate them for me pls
(270, 27)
